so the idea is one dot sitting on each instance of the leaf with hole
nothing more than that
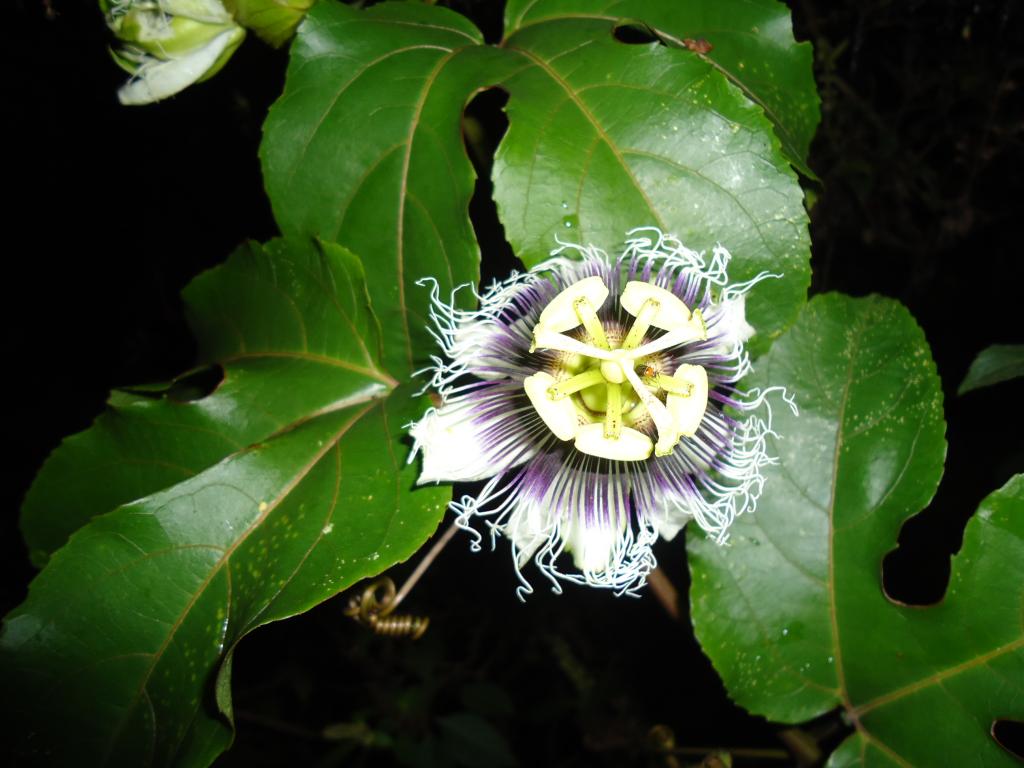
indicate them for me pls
(365, 147)
(604, 137)
(283, 486)
(793, 612)
(749, 41)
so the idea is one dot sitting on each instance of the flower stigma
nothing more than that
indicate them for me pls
(600, 401)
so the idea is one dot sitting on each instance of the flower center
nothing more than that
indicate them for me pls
(607, 383)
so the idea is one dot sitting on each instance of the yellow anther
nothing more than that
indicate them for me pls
(560, 313)
(630, 445)
(675, 386)
(671, 311)
(560, 416)
(688, 409)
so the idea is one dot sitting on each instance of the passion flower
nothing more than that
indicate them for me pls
(600, 399)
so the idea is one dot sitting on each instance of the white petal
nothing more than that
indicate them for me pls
(593, 546)
(472, 347)
(669, 527)
(157, 80)
(673, 514)
(451, 447)
(529, 526)
(471, 339)
(732, 323)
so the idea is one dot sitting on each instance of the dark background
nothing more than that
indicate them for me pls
(921, 159)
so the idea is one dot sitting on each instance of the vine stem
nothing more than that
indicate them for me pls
(665, 591)
(423, 565)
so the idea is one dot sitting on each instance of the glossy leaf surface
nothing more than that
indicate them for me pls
(294, 342)
(365, 147)
(793, 613)
(998, 363)
(121, 653)
(749, 41)
(604, 137)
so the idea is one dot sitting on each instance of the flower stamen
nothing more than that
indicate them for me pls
(672, 311)
(674, 386)
(642, 324)
(565, 435)
(560, 416)
(630, 445)
(578, 382)
(588, 316)
(600, 386)
(694, 330)
(561, 312)
(688, 407)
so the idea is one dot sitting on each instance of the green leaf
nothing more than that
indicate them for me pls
(998, 363)
(469, 740)
(751, 44)
(121, 653)
(604, 137)
(793, 613)
(365, 148)
(290, 327)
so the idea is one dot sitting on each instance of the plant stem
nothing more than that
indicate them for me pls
(423, 565)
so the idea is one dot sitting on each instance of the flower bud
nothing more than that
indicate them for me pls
(273, 21)
(169, 44)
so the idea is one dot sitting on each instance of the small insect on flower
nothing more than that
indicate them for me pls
(600, 400)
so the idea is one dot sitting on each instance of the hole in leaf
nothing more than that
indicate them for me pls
(917, 571)
(486, 15)
(1009, 734)
(483, 125)
(635, 33)
(197, 384)
(155, 391)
